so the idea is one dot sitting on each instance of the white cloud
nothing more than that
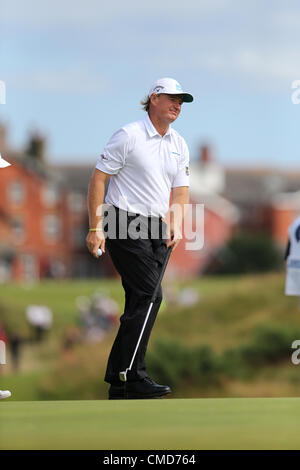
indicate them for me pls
(267, 64)
(278, 64)
(216, 37)
(286, 20)
(79, 79)
(46, 13)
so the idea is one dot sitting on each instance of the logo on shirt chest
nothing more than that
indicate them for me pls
(175, 154)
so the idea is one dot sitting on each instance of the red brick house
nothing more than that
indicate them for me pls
(268, 200)
(44, 219)
(42, 223)
(34, 209)
(220, 217)
(284, 208)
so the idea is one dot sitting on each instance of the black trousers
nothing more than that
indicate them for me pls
(138, 262)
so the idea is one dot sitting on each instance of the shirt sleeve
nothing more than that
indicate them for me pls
(182, 176)
(114, 154)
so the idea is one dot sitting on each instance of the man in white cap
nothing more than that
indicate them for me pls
(145, 162)
(4, 393)
(292, 257)
(3, 163)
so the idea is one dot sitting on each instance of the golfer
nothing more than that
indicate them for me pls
(292, 257)
(146, 163)
(4, 393)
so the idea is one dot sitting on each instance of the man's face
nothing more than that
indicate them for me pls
(167, 107)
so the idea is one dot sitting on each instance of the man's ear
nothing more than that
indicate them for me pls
(153, 98)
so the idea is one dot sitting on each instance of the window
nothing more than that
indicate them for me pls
(50, 195)
(18, 229)
(52, 227)
(76, 202)
(30, 267)
(78, 236)
(16, 192)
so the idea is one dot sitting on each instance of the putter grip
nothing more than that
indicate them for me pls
(161, 273)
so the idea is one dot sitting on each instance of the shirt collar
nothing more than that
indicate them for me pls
(151, 129)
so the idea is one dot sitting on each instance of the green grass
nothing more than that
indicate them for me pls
(239, 423)
(60, 296)
(233, 303)
(22, 385)
(229, 310)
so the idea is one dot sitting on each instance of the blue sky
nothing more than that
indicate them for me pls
(77, 71)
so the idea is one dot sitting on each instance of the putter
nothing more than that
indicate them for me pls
(123, 374)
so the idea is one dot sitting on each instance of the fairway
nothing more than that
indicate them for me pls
(229, 423)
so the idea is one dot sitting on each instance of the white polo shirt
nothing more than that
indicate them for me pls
(292, 283)
(144, 167)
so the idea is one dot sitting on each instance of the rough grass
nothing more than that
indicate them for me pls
(229, 310)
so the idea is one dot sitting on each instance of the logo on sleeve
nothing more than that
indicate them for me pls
(187, 170)
(103, 157)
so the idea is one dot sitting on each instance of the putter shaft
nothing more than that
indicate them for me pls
(123, 374)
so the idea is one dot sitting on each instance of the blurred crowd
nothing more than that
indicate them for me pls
(97, 315)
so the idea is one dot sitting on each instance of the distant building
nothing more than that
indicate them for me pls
(207, 176)
(43, 222)
(284, 208)
(207, 182)
(44, 217)
(268, 200)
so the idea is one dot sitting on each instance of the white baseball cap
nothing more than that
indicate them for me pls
(3, 163)
(170, 87)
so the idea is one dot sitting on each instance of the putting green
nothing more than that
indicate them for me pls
(229, 423)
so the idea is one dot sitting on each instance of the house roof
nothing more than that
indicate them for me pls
(76, 177)
(219, 205)
(248, 186)
(33, 165)
(287, 201)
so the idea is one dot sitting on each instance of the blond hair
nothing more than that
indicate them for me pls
(145, 103)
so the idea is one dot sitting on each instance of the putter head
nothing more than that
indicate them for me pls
(123, 376)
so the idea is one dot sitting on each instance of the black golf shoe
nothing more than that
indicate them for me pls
(116, 392)
(144, 388)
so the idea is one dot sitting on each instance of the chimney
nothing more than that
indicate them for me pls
(205, 155)
(36, 147)
(3, 138)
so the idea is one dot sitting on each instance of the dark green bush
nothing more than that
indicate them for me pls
(248, 253)
(268, 345)
(271, 344)
(171, 362)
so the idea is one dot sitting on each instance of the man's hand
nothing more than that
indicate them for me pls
(174, 219)
(95, 240)
(174, 235)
